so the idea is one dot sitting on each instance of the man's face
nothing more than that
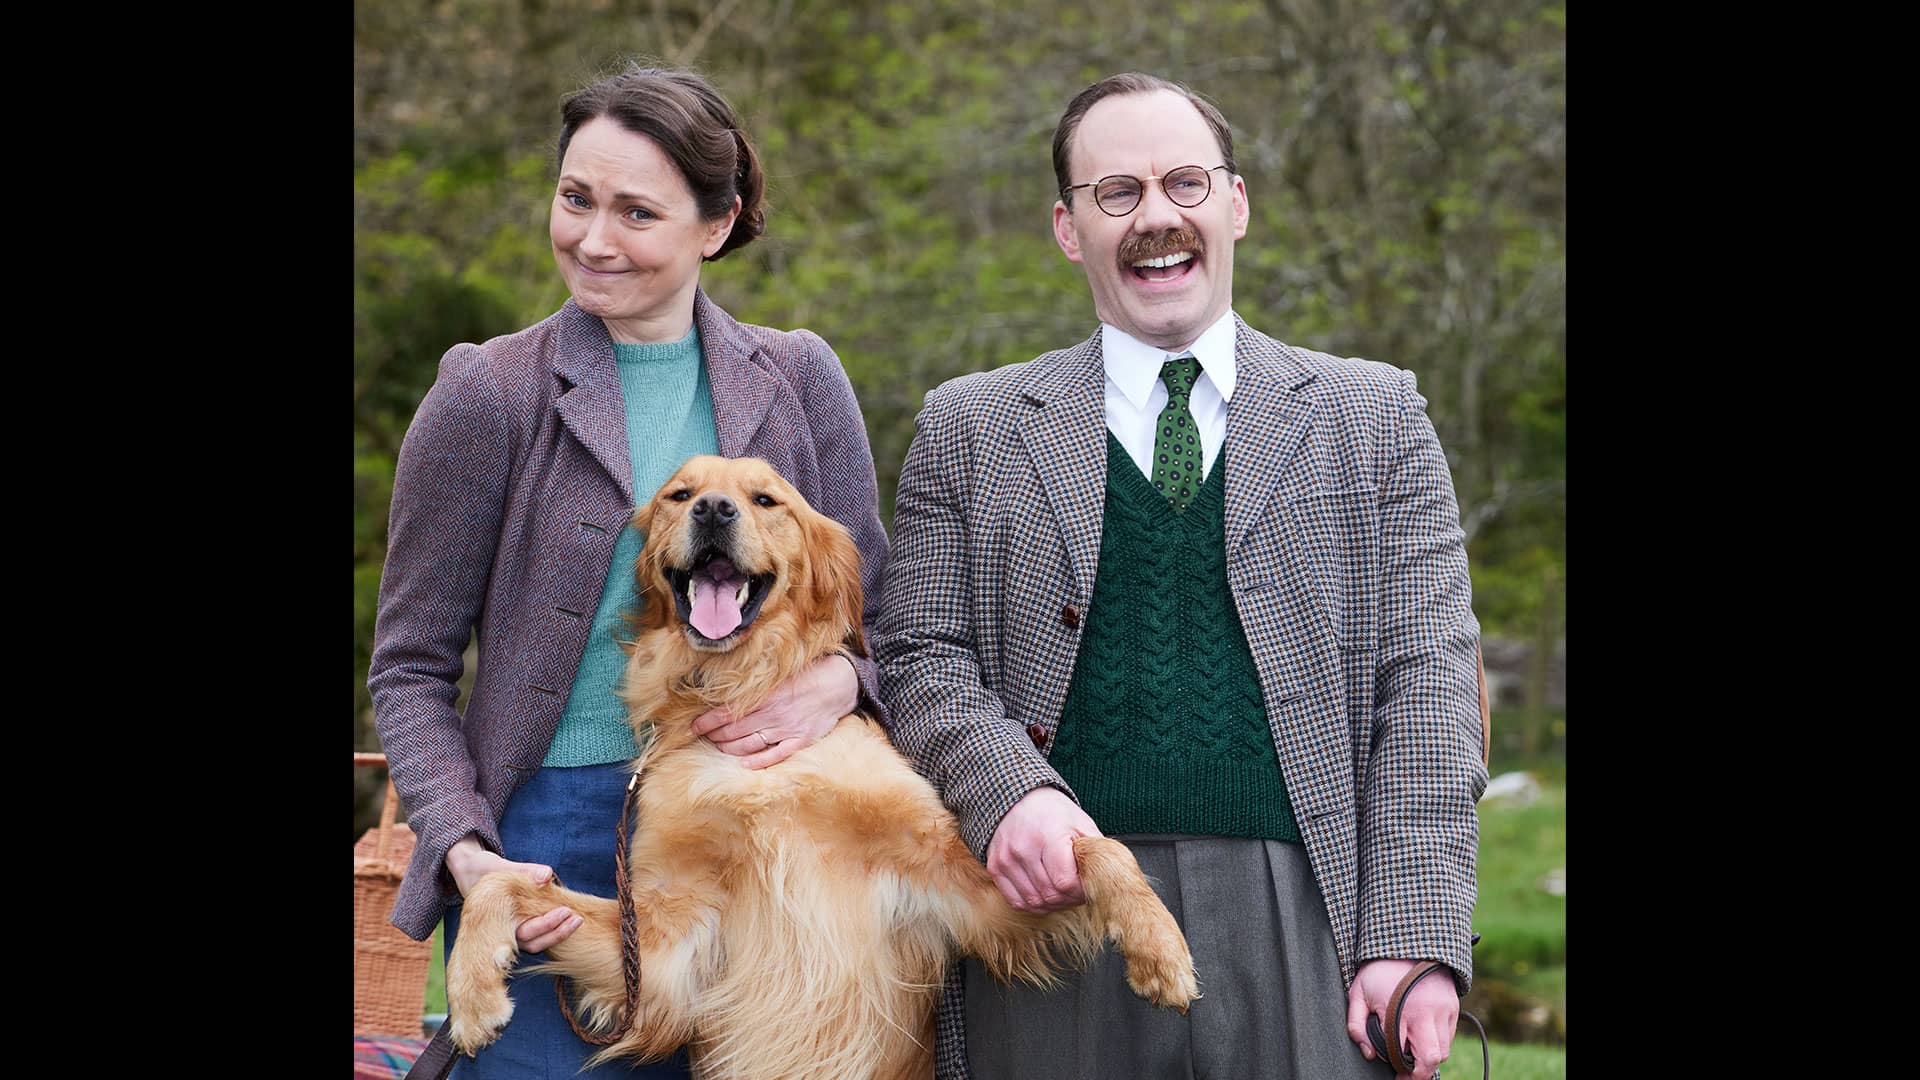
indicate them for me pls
(1143, 135)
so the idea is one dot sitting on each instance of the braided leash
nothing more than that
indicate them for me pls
(1399, 1052)
(629, 935)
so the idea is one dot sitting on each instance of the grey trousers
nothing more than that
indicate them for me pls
(1272, 1002)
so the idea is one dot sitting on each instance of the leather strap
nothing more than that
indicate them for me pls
(436, 1061)
(1399, 1054)
(1395, 1048)
(1486, 708)
(629, 935)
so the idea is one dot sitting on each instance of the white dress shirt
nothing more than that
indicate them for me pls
(1135, 394)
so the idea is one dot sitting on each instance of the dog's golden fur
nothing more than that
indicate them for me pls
(795, 922)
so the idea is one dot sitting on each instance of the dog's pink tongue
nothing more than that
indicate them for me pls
(714, 611)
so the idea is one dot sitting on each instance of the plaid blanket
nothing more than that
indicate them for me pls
(384, 1057)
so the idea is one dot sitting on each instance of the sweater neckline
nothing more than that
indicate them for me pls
(1151, 503)
(657, 351)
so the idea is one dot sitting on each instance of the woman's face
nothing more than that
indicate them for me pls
(627, 235)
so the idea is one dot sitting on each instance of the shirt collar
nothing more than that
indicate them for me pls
(1134, 366)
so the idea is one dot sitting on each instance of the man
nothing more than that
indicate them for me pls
(1208, 592)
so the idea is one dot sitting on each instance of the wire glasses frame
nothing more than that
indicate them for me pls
(1117, 195)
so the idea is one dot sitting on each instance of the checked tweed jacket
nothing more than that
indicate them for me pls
(512, 486)
(1348, 568)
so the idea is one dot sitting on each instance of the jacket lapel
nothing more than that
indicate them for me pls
(1267, 421)
(743, 385)
(1066, 437)
(592, 406)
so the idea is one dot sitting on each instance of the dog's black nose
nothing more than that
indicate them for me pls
(714, 509)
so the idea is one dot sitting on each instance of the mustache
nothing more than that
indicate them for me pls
(1137, 246)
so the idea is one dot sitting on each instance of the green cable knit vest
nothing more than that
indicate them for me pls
(1164, 729)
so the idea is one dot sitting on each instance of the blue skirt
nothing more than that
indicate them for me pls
(564, 818)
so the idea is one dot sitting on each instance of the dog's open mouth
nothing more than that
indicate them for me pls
(715, 599)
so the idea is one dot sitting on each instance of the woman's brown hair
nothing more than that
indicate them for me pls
(694, 126)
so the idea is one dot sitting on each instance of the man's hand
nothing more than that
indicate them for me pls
(797, 715)
(1031, 854)
(1427, 1017)
(468, 861)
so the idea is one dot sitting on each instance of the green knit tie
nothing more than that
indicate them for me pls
(1176, 445)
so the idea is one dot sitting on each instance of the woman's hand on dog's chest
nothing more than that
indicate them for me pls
(796, 716)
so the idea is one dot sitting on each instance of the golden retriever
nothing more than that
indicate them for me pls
(795, 922)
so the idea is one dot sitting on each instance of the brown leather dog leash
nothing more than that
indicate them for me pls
(1399, 1051)
(629, 935)
(436, 1061)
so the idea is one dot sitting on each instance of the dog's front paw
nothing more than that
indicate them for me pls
(1160, 969)
(477, 1021)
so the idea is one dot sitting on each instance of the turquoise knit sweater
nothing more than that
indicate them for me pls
(1164, 729)
(669, 419)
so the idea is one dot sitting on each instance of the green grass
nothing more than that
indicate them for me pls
(1511, 1061)
(1521, 961)
(437, 974)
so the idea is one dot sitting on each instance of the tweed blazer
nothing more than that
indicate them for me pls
(1348, 569)
(512, 485)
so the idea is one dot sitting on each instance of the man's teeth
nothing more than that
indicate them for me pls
(1166, 260)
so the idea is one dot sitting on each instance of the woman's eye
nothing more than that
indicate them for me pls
(765, 500)
(640, 213)
(681, 496)
(576, 200)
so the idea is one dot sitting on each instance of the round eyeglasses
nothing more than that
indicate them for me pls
(1116, 196)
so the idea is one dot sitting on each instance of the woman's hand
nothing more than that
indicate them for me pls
(469, 861)
(798, 714)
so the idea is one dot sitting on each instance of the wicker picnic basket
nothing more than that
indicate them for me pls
(389, 968)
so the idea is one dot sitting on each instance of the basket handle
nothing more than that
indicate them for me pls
(389, 809)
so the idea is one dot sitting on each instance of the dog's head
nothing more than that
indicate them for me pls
(732, 547)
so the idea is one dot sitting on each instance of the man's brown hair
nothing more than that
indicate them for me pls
(1130, 82)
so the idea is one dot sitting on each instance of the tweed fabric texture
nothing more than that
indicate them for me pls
(1348, 569)
(1164, 730)
(511, 487)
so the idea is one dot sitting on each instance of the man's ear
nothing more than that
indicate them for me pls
(1063, 232)
(1241, 211)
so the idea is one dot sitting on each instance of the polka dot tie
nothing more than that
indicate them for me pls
(1176, 437)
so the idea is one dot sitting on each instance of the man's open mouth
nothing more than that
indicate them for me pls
(715, 599)
(1171, 267)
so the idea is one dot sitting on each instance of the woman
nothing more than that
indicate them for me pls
(511, 506)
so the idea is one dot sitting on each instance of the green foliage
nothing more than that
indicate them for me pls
(1520, 965)
(1404, 160)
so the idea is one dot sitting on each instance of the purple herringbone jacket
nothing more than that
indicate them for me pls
(512, 485)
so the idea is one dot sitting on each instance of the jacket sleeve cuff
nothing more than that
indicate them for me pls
(437, 830)
(868, 673)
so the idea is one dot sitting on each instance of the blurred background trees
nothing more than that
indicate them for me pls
(1405, 161)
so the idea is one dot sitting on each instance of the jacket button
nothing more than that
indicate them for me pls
(1038, 734)
(1071, 616)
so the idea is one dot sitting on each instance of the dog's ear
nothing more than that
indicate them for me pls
(649, 581)
(834, 564)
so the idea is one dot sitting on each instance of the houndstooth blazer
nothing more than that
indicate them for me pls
(1348, 568)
